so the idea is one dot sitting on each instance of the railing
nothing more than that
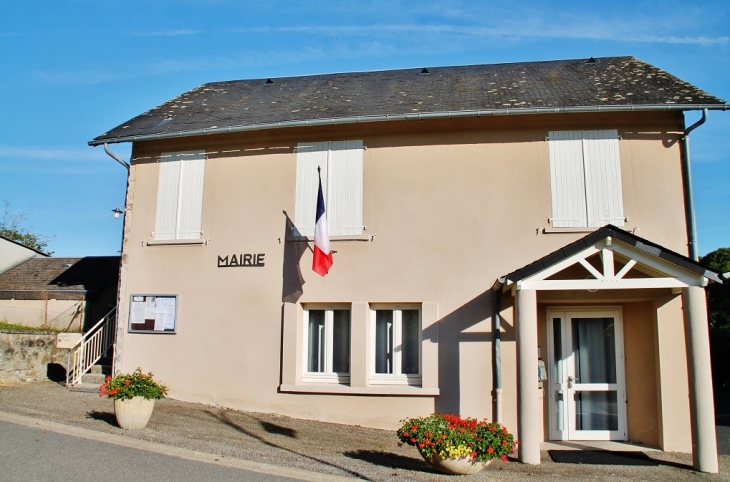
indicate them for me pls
(91, 347)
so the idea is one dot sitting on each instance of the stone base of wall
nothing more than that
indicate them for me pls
(30, 357)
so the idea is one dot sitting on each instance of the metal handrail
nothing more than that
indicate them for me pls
(91, 347)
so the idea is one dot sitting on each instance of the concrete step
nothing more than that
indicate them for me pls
(101, 369)
(93, 378)
(85, 387)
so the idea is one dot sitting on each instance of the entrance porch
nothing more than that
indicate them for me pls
(621, 326)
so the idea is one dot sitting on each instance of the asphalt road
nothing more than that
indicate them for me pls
(35, 454)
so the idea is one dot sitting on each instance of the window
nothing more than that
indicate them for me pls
(396, 342)
(585, 178)
(180, 195)
(341, 164)
(327, 342)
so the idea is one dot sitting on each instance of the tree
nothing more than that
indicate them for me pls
(718, 295)
(718, 313)
(10, 227)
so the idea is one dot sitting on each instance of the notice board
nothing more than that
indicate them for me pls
(152, 314)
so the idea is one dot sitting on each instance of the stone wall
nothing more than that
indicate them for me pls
(29, 357)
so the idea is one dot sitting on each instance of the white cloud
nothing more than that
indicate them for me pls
(617, 33)
(50, 153)
(166, 33)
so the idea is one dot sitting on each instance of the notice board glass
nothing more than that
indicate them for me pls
(152, 314)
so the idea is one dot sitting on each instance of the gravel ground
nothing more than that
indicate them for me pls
(344, 450)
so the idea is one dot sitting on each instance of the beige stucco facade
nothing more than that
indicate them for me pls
(449, 207)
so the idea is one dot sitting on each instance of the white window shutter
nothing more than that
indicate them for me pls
(567, 179)
(167, 198)
(344, 203)
(310, 155)
(192, 173)
(180, 195)
(604, 195)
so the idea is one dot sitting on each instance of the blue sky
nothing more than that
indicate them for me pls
(77, 68)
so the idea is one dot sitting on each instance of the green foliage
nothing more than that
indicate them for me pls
(452, 437)
(718, 312)
(13, 327)
(125, 386)
(10, 227)
(718, 295)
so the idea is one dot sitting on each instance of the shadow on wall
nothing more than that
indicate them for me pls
(292, 279)
(98, 276)
(451, 334)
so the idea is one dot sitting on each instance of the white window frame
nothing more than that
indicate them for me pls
(395, 378)
(585, 178)
(341, 164)
(180, 195)
(328, 376)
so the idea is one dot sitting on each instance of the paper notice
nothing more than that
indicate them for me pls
(169, 313)
(137, 313)
(149, 308)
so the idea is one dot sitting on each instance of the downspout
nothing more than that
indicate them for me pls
(688, 196)
(115, 157)
(116, 359)
(497, 351)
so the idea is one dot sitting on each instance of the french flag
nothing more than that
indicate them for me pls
(322, 260)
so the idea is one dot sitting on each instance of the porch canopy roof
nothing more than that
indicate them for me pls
(609, 258)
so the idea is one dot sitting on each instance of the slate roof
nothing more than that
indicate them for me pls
(609, 83)
(620, 235)
(91, 273)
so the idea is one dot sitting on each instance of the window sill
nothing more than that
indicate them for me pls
(176, 242)
(629, 229)
(308, 239)
(335, 389)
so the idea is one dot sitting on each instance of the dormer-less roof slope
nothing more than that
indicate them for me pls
(602, 84)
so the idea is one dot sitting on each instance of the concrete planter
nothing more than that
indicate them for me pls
(462, 466)
(134, 413)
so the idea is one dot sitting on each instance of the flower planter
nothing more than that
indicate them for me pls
(462, 466)
(133, 413)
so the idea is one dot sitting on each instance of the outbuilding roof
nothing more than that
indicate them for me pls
(91, 273)
(579, 85)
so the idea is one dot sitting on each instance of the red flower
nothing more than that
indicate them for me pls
(503, 458)
(420, 446)
(414, 427)
(473, 454)
(490, 450)
(108, 377)
(127, 383)
(413, 440)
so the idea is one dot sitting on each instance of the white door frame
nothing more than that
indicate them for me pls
(562, 381)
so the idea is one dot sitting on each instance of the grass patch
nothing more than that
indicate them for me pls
(12, 327)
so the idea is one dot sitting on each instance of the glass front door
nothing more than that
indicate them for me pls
(586, 375)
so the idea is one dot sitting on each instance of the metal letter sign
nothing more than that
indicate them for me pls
(241, 260)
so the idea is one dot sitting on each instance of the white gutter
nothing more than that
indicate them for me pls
(417, 116)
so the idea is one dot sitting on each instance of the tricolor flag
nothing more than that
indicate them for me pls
(322, 260)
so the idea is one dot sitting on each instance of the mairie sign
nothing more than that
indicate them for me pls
(241, 260)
